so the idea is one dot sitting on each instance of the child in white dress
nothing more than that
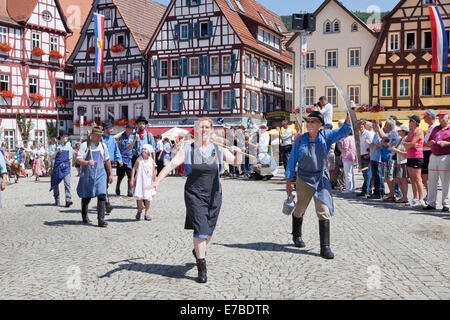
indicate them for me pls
(143, 175)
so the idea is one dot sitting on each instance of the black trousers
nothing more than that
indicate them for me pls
(122, 171)
(159, 163)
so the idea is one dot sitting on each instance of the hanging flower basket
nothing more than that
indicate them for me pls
(118, 84)
(106, 85)
(36, 97)
(5, 47)
(55, 55)
(7, 94)
(91, 50)
(134, 84)
(118, 48)
(79, 86)
(38, 52)
(121, 122)
(62, 101)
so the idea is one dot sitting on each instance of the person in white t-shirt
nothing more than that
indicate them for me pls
(366, 133)
(326, 109)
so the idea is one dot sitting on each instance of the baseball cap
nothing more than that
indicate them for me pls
(430, 113)
(442, 112)
(414, 118)
(315, 115)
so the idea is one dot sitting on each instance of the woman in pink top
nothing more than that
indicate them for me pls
(348, 157)
(414, 151)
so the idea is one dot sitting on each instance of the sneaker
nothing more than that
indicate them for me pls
(445, 209)
(410, 203)
(420, 204)
(148, 218)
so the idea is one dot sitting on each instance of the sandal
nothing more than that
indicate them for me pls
(388, 199)
(401, 201)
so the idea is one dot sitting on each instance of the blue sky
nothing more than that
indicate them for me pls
(287, 7)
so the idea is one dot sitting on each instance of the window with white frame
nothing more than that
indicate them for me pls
(447, 85)
(46, 16)
(215, 100)
(123, 74)
(310, 96)
(247, 65)
(327, 27)
(107, 13)
(138, 110)
(355, 94)
(33, 85)
(59, 88)
(331, 58)
(3, 34)
(354, 56)
(164, 102)
(410, 41)
(310, 60)
(36, 40)
(175, 68)
(68, 92)
(110, 113)
(40, 136)
(386, 88)
(175, 102)
(394, 41)
(184, 32)
(193, 64)
(226, 64)
(137, 74)
(97, 114)
(4, 82)
(403, 87)
(226, 99)
(332, 95)
(164, 68)
(426, 87)
(108, 76)
(9, 140)
(214, 65)
(53, 43)
(336, 26)
(81, 76)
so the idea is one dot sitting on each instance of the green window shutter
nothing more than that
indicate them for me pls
(156, 102)
(233, 63)
(206, 100)
(233, 99)
(201, 66)
(196, 33)
(261, 102)
(206, 62)
(155, 69)
(177, 32)
(191, 31)
(188, 3)
(210, 29)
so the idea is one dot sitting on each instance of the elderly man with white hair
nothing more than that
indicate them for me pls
(365, 133)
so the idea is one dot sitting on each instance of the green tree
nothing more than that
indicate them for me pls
(25, 126)
(52, 131)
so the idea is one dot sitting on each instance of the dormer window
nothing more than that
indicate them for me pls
(279, 28)
(239, 6)
(263, 18)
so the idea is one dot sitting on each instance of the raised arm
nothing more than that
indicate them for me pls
(177, 161)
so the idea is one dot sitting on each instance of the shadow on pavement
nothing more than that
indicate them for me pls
(30, 205)
(269, 246)
(63, 223)
(165, 270)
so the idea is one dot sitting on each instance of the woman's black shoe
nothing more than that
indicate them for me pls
(428, 207)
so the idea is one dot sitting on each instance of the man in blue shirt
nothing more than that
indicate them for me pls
(375, 162)
(388, 135)
(125, 143)
(114, 155)
(142, 137)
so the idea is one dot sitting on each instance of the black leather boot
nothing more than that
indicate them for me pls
(108, 208)
(324, 232)
(297, 232)
(201, 266)
(101, 207)
(129, 192)
(84, 212)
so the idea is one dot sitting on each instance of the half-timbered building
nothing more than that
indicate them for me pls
(33, 77)
(400, 67)
(223, 59)
(120, 94)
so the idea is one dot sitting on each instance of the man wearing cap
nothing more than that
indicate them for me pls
(114, 154)
(309, 155)
(62, 156)
(125, 144)
(142, 137)
(439, 166)
(95, 168)
(430, 118)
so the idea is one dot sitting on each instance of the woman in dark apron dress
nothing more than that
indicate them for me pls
(203, 162)
(309, 156)
(93, 157)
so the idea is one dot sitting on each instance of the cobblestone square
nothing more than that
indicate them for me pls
(383, 250)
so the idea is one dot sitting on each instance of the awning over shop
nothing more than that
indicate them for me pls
(158, 131)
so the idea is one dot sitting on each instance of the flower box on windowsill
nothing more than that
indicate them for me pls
(62, 101)
(106, 85)
(117, 48)
(35, 99)
(5, 47)
(118, 84)
(7, 94)
(93, 85)
(121, 122)
(55, 55)
(134, 84)
(37, 52)
(79, 86)
(91, 50)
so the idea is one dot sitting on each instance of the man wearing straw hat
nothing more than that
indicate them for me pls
(309, 155)
(94, 160)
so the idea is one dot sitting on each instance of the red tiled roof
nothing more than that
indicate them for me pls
(142, 18)
(251, 9)
(4, 15)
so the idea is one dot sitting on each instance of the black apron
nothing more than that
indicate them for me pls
(203, 193)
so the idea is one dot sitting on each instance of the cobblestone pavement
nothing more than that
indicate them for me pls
(383, 251)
